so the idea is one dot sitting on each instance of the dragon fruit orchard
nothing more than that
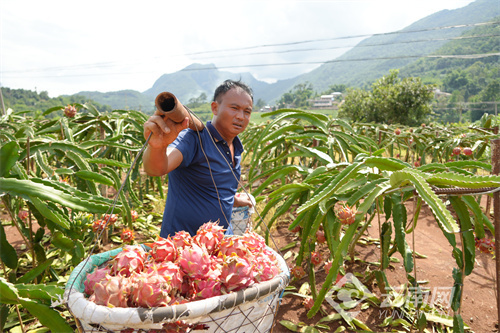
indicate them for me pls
(182, 269)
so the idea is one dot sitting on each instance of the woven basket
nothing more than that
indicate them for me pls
(250, 310)
(241, 218)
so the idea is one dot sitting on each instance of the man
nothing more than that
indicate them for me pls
(203, 165)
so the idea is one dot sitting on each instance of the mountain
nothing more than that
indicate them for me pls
(196, 79)
(121, 100)
(349, 70)
(371, 59)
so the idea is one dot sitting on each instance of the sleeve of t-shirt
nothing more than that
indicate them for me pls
(186, 143)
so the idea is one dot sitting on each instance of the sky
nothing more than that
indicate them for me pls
(64, 47)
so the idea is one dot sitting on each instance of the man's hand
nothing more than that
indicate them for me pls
(164, 130)
(242, 199)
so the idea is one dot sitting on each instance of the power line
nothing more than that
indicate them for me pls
(112, 63)
(460, 56)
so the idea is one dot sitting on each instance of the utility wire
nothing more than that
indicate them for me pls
(110, 64)
(458, 56)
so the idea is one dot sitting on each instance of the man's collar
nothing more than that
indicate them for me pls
(215, 134)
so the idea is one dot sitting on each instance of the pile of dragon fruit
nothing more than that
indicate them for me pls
(182, 269)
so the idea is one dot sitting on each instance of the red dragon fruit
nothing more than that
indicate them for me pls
(164, 249)
(150, 290)
(169, 270)
(182, 239)
(70, 111)
(127, 235)
(254, 242)
(195, 262)
(209, 236)
(346, 215)
(113, 291)
(316, 258)
(23, 214)
(233, 245)
(206, 288)
(130, 259)
(236, 273)
(265, 266)
(96, 276)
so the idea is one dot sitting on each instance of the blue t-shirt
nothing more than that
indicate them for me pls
(192, 198)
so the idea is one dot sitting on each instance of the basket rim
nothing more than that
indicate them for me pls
(180, 311)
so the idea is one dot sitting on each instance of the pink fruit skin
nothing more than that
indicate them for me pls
(170, 270)
(209, 236)
(96, 276)
(150, 290)
(195, 262)
(164, 249)
(236, 273)
(112, 291)
(130, 259)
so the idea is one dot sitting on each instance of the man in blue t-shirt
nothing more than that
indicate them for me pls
(203, 163)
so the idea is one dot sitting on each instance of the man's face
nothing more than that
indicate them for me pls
(232, 113)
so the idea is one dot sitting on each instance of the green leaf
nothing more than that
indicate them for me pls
(315, 153)
(55, 145)
(47, 316)
(94, 176)
(385, 244)
(469, 244)
(8, 254)
(8, 292)
(290, 325)
(9, 155)
(330, 188)
(443, 216)
(112, 163)
(399, 219)
(455, 179)
(62, 242)
(34, 272)
(29, 188)
(458, 324)
(40, 291)
(388, 164)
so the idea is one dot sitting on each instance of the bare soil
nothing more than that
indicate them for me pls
(478, 304)
(478, 310)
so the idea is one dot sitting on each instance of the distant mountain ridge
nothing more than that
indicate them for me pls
(390, 51)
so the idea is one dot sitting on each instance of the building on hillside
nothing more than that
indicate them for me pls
(326, 101)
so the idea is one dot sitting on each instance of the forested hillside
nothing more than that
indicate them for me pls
(27, 100)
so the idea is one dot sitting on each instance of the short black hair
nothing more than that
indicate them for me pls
(227, 85)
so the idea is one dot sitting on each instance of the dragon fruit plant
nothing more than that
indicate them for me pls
(182, 269)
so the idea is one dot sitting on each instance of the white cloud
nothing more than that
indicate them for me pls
(65, 47)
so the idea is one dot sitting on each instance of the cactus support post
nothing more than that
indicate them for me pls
(495, 163)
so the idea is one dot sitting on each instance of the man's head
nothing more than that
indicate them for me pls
(232, 108)
(228, 85)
